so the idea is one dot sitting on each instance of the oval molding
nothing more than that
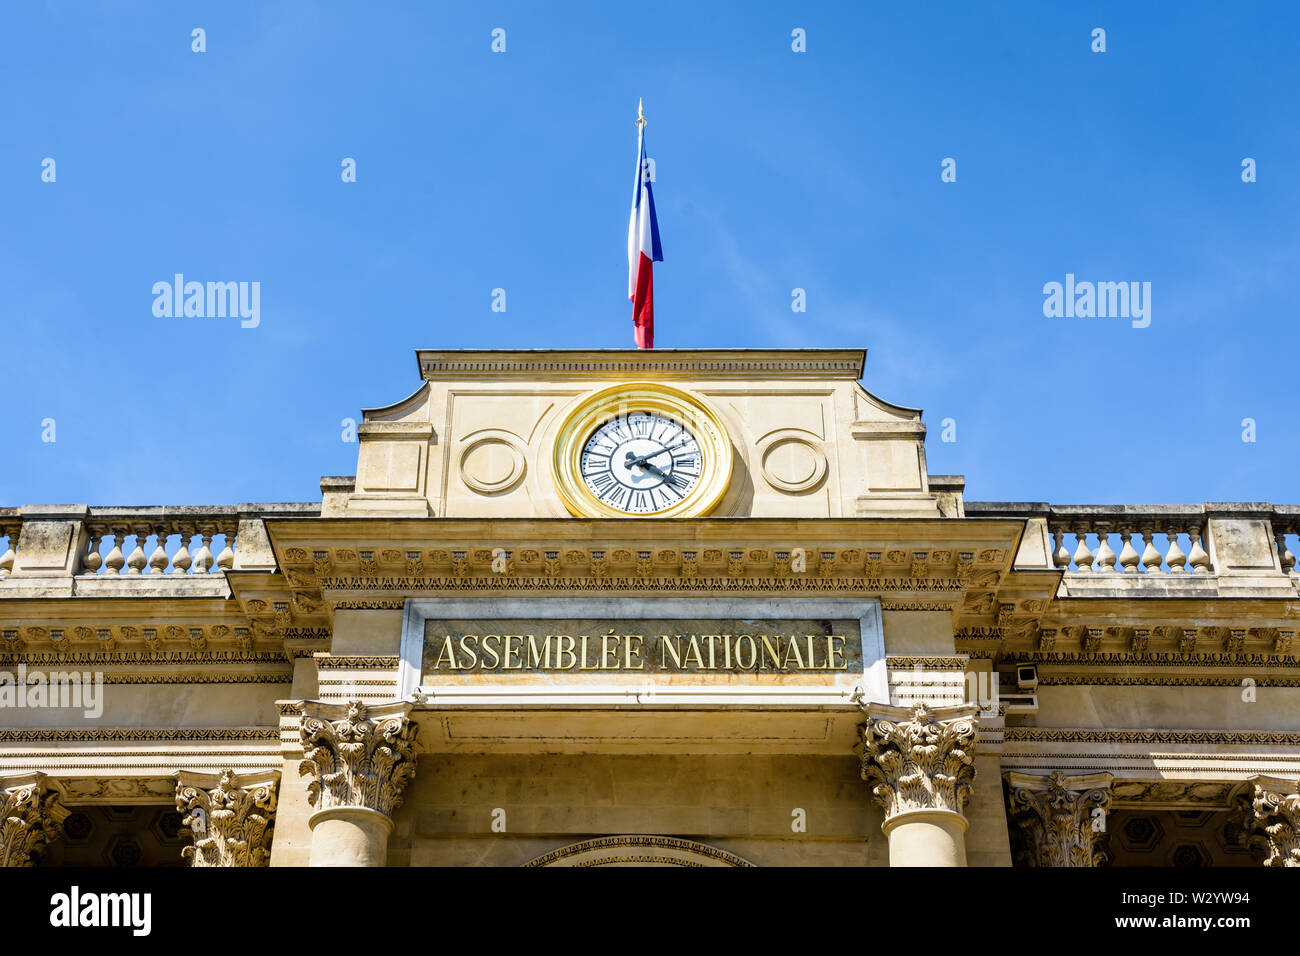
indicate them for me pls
(639, 850)
(491, 465)
(792, 462)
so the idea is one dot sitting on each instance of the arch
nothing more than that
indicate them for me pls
(638, 850)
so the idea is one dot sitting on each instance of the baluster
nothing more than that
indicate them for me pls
(1284, 553)
(136, 562)
(1151, 558)
(92, 560)
(181, 559)
(115, 560)
(1175, 557)
(1060, 557)
(1082, 556)
(1105, 556)
(158, 560)
(7, 559)
(226, 559)
(203, 558)
(1128, 558)
(1197, 558)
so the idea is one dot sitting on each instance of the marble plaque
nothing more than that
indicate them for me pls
(613, 647)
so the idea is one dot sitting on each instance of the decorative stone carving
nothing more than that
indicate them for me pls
(31, 815)
(919, 758)
(1059, 817)
(231, 816)
(1273, 817)
(492, 463)
(357, 755)
(792, 461)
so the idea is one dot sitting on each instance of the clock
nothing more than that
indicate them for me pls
(639, 450)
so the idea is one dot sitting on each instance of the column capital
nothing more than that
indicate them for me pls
(358, 756)
(231, 816)
(31, 815)
(918, 758)
(1273, 816)
(1059, 816)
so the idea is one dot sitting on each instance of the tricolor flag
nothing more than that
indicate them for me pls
(643, 248)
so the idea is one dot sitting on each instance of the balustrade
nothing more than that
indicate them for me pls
(151, 541)
(1155, 541)
(1286, 536)
(10, 527)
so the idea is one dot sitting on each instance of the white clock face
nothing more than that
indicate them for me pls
(641, 463)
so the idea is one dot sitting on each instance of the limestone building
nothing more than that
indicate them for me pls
(689, 607)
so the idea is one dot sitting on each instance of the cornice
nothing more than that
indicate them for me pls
(585, 365)
(1283, 738)
(122, 734)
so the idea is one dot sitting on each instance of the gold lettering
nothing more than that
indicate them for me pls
(811, 657)
(665, 647)
(606, 650)
(726, 651)
(694, 648)
(447, 652)
(539, 657)
(496, 655)
(582, 657)
(770, 648)
(792, 649)
(468, 651)
(561, 652)
(513, 650)
(713, 646)
(832, 650)
(630, 650)
(753, 652)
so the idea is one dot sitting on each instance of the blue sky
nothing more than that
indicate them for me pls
(775, 170)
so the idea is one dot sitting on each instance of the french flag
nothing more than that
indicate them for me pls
(643, 248)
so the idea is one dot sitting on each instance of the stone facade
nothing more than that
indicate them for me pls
(848, 663)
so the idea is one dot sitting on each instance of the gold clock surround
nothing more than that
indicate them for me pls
(689, 410)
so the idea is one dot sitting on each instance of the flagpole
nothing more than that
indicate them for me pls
(641, 257)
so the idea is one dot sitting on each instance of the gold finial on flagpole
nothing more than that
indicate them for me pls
(640, 112)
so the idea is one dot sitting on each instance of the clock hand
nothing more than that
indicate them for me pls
(644, 458)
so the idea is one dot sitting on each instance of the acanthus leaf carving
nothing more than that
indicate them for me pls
(356, 759)
(919, 758)
(1059, 817)
(231, 818)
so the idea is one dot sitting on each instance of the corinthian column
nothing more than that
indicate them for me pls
(1059, 817)
(230, 815)
(31, 815)
(360, 760)
(1273, 814)
(919, 763)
